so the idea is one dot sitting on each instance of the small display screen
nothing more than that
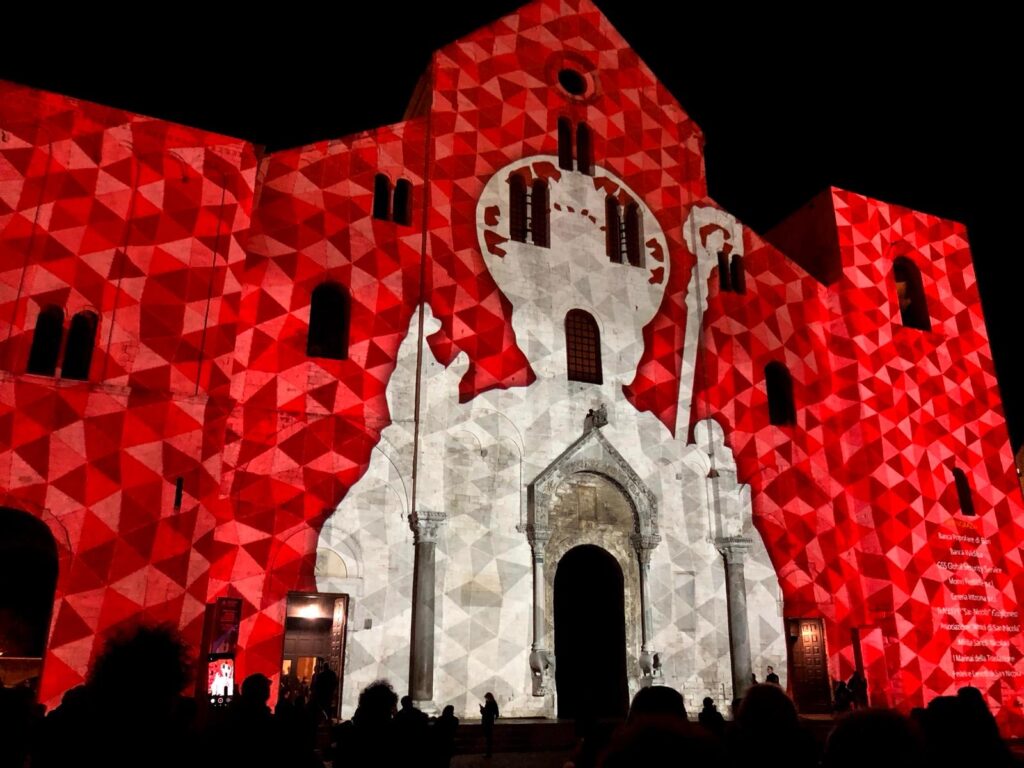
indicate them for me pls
(220, 680)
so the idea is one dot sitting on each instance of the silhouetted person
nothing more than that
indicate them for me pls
(443, 731)
(659, 741)
(765, 720)
(658, 700)
(959, 730)
(412, 731)
(126, 713)
(248, 735)
(711, 718)
(879, 738)
(369, 737)
(841, 698)
(657, 733)
(858, 687)
(591, 742)
(771, 677)
(488, 714)
(320, 709)
(20, 717)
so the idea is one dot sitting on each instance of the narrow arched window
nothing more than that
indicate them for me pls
(963, 492)
(612, 230)
(517, 209)
(564, 143)
(910, 294)
(634, 235)
(781, 409)
(328, 322)
(582, 347)
(42, 357)
(81, 342)
(584, 158)
(381, 197)
(403, 202)
(739, 277)
(539, 213)
(724, 278)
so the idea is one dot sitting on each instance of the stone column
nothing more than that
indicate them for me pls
(644, 543)
(734, 550)
(421, 656)
(540, 660)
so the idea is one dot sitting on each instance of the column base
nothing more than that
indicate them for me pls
(427, 707)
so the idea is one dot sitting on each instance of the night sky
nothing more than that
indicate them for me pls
(912, 109)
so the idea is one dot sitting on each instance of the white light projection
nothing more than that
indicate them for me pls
(477, 459)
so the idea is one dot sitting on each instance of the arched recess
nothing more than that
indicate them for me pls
(517, 207)
(46, 340)
(80, 346)
(328, 322)
(582, 347)
(590, 634)
(778, 382)
(910, 294)
(28, 584)
(625, 524)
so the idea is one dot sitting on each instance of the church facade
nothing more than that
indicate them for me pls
(500, 400)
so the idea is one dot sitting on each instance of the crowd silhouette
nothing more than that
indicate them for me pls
(131, 712)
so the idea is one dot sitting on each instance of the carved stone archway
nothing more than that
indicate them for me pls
(626, 526)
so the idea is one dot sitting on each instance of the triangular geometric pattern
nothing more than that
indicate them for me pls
(198, 256)
(885, 413)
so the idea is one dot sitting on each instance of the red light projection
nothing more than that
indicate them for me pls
(199, 262)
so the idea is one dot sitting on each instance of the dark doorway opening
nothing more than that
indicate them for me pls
(314, 641)
(808, 666)
(590, 635)
(28, 581)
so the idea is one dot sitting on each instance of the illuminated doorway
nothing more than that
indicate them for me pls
(808, 666)
(590, 635)
(314, 638)
(28, 581)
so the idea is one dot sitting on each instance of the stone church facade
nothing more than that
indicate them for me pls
(498, 380)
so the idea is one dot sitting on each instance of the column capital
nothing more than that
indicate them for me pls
(538, 536)
(644, 543)
(733, 548)
(424, 525)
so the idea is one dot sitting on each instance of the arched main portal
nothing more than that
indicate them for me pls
(590, 634)
(28, 581)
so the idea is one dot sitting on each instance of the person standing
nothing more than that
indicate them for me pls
(771, 677)
(488, 714)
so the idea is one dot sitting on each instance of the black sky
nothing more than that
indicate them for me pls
(912, 106)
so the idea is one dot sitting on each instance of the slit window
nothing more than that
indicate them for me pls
(584, 160)
(179, 492)
(781, 409)
(578, 156)
(49, 332)
(328, 322)
(517, 223)
(382, 197)
(724, 273)
(613, 230)
(80, 346)
(739, 277)
(582, 347)
(963, 493)
(564, 144)
(634, 235)
(540, 226)
(403, 202)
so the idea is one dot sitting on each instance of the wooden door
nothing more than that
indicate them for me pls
(808, 666)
